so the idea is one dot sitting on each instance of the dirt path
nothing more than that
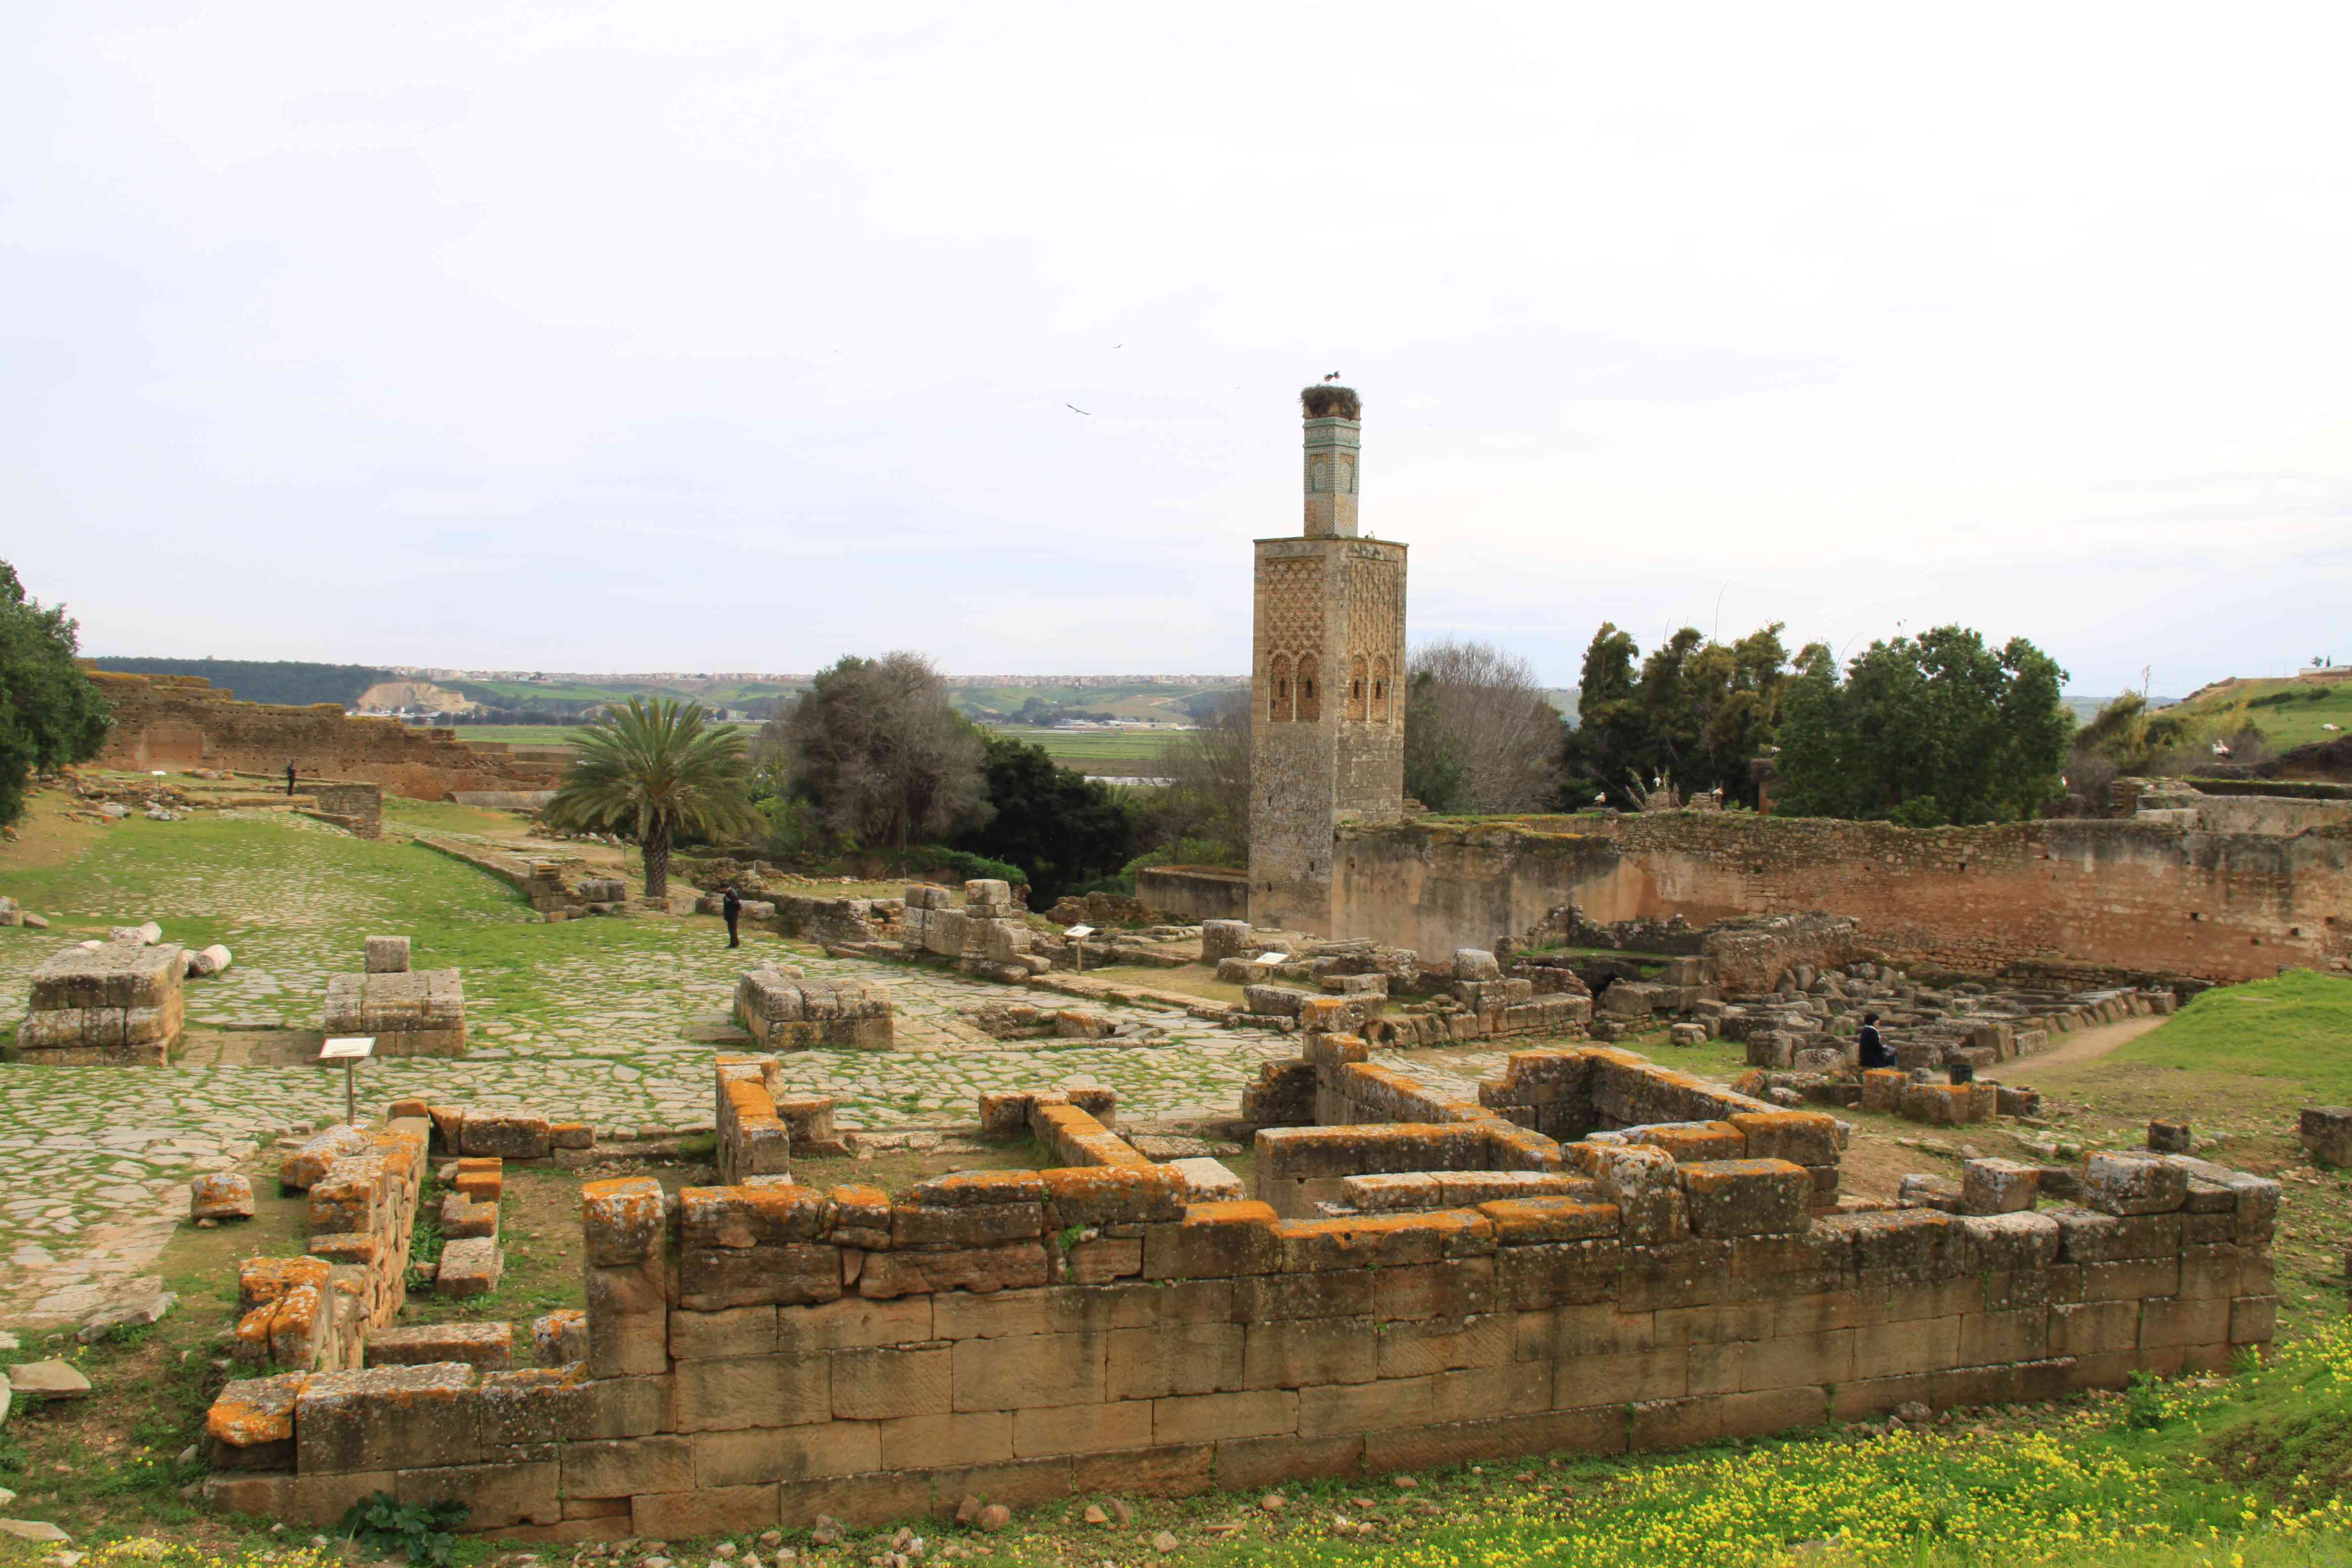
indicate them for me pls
(2089, 1045)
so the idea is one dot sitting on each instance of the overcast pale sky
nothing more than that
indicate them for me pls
(702, 337)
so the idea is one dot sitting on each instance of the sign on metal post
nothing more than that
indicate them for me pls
(1079, 931)
(351, 1051)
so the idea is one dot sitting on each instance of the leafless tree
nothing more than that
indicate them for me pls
(1207, 801)
(1480, 734)
(879, 751)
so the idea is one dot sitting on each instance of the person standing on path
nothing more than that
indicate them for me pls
(290, 777)
(731, 905)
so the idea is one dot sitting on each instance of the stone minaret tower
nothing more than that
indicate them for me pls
(1327, 740)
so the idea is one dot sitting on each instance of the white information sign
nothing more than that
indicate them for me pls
(1271, 958)
(1079, 931)
(350, 1050)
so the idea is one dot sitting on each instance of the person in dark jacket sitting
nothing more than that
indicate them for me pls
(1874, 1053)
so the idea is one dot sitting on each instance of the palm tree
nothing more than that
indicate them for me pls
(653, 770)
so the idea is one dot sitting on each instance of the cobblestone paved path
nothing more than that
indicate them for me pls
(611, 1021)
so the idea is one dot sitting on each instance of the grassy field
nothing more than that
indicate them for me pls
(1116, 753)
(521, 734)
(2271, 1045)
(2291, 1036)
(1108, 752)
(1142, 700)
(2290, 713)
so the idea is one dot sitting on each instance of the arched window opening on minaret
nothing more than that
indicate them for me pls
(1278, 710)
(1379, 692)
(1358, 677)
(1310, 706)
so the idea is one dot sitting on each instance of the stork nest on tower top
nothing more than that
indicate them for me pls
(1330, 402)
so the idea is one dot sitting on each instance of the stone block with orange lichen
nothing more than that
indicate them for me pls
(745, 1216)
(463, 1216)
(861, 1218)
(1216, 1240)
(488, 1346)
(1804, 1137)
(983, 1269)
(389, 1418)
(1746, 1197)
(1384, 1241)
(508, 1134)
(261, 1279)
(310, 1161)
(250, 1423)
(965, 1189)
(301, 1326)
(622, 1220)
(1689, 1141)
(481, 1176)
(222, 1196)
(1140, 1194)
(560, 1338)
(1521, 1222)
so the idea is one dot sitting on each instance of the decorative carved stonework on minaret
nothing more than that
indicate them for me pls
(1327, 740)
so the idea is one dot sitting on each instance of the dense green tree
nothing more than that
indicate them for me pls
(1610, 743)
(653, 771)
(1924, 730)
(50, 712)
(1694, 716)
(876, 747)
(1060, 827)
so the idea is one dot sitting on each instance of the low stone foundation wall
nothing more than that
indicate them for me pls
(541, 882)
(314, 1313)
(503, 799)
(418, 1013)
(1194, 893)
(761, 1353)
(782, 1010)
(118, 1004)
(357, 808)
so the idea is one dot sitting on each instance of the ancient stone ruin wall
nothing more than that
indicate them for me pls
(2133, 896)
(541, 882)
(119, 1003)
(182, 721)
(761, 1353)
(356, 808)
(1195, 892)
(782, 1010)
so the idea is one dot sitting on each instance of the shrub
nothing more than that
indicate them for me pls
(420, 1532)
(966, 865)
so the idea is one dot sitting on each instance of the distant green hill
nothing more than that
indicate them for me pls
(275, 680)
(2289, 712)
(1140, 699)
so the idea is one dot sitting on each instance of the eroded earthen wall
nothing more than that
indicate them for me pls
(2132, 896)
(181, 721)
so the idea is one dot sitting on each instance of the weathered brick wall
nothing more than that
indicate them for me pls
(2140, 897)
(181, 721)
(1195, 892)
(356, 806)
(760, 1355)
